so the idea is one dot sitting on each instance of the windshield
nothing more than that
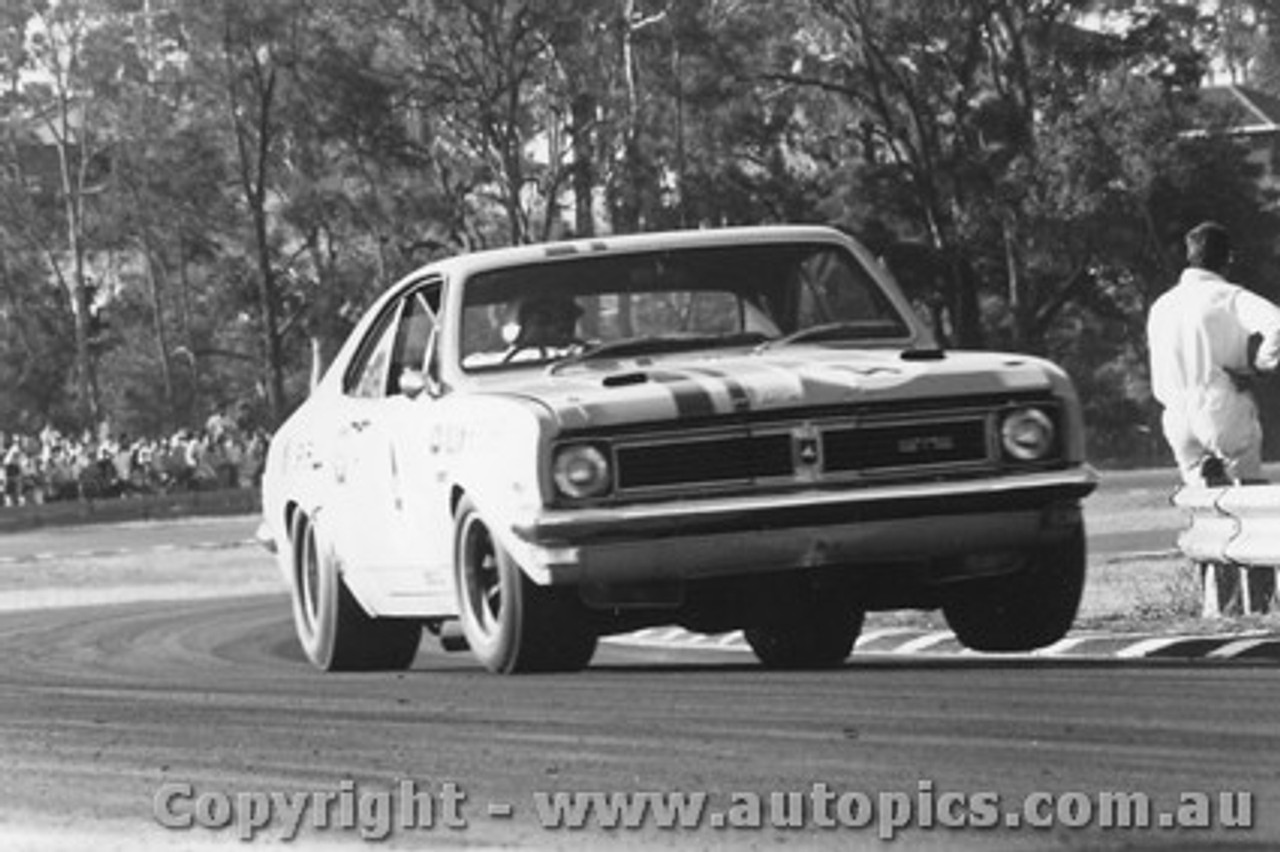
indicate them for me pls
(584, 306)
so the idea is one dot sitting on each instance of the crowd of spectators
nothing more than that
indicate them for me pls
(51, 466)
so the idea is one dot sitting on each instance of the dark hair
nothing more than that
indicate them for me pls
(1209, 247)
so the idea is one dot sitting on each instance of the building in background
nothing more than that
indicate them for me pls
(1253, 118)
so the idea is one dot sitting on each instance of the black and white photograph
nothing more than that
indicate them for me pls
(640, 424)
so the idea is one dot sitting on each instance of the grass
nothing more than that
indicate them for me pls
(1147, 594)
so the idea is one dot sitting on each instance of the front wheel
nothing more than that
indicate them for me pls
(335, 632)
(1024, 611)
(511, 623)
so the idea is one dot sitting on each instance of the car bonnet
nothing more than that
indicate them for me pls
(676, 388)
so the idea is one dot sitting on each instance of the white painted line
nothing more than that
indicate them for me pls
(698, 639)
(1149, 646)
(672, 634)
(734, 639)
(679, 638)
(1240, 646)
(884, 633)
(920, 643)
(1061, 646)
(636, 640)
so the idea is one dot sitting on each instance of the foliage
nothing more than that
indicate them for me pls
(204, 193)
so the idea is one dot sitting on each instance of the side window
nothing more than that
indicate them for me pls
(397, 342)
(368, 374)
(414, 333)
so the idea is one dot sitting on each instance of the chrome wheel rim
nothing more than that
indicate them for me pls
(309, 578)
(482, 577)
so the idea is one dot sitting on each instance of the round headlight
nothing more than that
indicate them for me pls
(1027, 434)
(580, 471)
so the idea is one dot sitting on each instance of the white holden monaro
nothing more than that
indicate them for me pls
(741, 428)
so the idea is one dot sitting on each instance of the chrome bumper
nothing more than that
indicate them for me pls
(757, 533)
(264, 537)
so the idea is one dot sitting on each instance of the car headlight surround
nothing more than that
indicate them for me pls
(581, 471)
(1028, 434)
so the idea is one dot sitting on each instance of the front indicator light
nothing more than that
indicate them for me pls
(581, 471)
(1027, 434)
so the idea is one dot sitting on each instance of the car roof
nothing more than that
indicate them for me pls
(467, 264)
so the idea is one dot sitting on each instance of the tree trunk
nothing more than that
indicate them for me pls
(254, 135)
(184, 309)
(72, 200)
(162, 336)
(583, 111)
(268, 303)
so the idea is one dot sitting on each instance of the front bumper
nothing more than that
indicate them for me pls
(265, 537)
(716, 537)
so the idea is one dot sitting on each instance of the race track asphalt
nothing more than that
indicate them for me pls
(104, 708)
(120, 711)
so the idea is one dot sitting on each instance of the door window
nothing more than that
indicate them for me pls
(417, 322)
(397, 343)
(367, 377)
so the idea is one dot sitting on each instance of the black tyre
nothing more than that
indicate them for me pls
(512, 624)
(821, 638)
(335, 632)
(1024, 611)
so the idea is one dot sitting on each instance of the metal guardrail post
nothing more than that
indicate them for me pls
(139, 507)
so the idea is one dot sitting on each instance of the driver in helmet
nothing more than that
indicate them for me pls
(544, 323)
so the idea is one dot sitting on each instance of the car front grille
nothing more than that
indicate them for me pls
(911, 446)
(906, 445)
(711, 459)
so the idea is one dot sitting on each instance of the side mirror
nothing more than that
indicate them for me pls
(413, 382)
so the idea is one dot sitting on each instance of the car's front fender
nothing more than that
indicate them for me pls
(493, 449)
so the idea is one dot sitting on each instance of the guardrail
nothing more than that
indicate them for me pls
(237, 501)
(1233, 535)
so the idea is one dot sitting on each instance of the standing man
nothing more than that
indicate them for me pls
(1208, 338)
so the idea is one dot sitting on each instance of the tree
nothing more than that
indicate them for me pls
(238, 178)
(476, 68)
(245, 49)
(36, 346)
(66, 48)
(163, 194)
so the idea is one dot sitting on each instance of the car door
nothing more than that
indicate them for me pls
(357, 509)
(421, 531)
(386, 480)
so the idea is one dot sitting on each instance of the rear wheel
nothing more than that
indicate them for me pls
(511, 623)
(335, 632)
(1028, 610)
(820, 637)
